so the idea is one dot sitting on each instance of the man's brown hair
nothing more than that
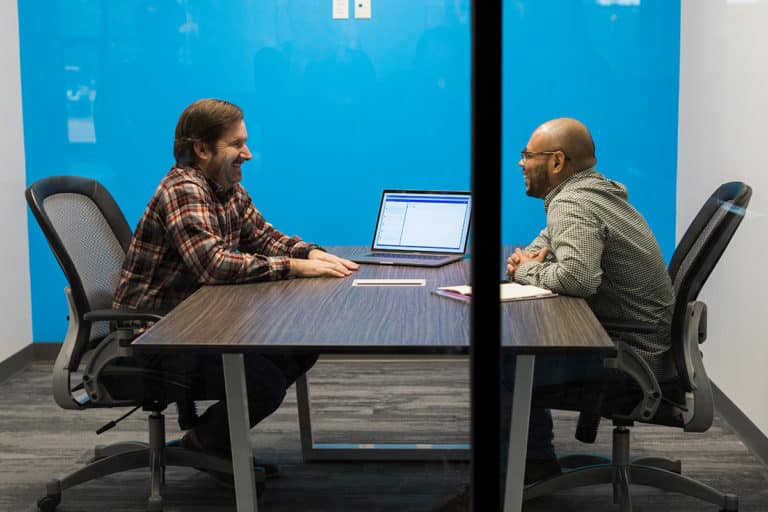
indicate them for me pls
(203, 121)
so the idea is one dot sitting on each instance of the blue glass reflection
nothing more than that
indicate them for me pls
(614, 64)
(339, 109)
(336, 109)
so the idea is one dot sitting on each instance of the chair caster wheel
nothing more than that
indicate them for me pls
(48, 503)
(155, 504)
(731, 503)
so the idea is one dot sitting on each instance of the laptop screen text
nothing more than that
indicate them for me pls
(423, 221)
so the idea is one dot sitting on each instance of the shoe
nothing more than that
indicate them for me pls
(536, 470)
(459, 503)
(189, 441)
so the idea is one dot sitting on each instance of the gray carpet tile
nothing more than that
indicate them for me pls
(415, 401)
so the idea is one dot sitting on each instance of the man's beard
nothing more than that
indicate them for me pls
(538, 181)
(225, 175)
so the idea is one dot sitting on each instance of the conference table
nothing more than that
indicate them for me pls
(336, 316)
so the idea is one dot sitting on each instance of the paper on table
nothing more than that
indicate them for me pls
(463, 289)
(452, 295)
(508, 291)
(389, 282)
(514, 291)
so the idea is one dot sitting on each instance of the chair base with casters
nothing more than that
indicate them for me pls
(636, 395)
(622, 473)
(156, 455)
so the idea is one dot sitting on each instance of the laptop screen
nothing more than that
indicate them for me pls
(423, 221)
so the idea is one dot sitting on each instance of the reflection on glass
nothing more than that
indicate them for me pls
(81, 94)
(625, 3)
(332, 107)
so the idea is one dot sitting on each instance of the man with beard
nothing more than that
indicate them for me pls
(201, 227)
(597, 246)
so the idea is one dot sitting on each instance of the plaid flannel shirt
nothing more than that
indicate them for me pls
(192, 234)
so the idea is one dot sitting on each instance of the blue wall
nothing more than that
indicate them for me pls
(615, 66)
(338, 109)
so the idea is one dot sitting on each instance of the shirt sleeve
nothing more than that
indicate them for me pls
(575, 240)
(540, 242)
(195, 233)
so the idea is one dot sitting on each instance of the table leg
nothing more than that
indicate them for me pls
(239, 430)
(518, 433)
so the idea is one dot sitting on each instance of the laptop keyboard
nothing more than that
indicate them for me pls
(408, 256)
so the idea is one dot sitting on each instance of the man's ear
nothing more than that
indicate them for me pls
(558, 162)
(201, 150)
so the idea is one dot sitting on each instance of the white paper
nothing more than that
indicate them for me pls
(463, 289)
(389, 282)
(511, 291)
(508, 291)
(362, 9)
(340, 9)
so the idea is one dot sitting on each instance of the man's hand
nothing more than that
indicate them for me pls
(520, 256)
(321, 263)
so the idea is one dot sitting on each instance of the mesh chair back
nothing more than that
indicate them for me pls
(92, 246)
(89, 237)
(700, 249)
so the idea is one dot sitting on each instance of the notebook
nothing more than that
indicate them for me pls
(508, 292)
(420, 228)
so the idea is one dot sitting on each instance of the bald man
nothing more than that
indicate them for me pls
(595, 245)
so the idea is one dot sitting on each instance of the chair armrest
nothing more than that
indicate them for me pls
(123, 335)
(112, 314)
(630, 362)
(700, 318)
(699, 414)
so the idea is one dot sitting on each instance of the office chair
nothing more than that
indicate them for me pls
(95, 367)
(686, 402)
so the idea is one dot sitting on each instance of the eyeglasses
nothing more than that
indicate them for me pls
(526, 155)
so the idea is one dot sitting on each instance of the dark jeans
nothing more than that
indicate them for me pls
(267, 378)
(548, 371)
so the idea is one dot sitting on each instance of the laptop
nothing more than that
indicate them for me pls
(424, 228)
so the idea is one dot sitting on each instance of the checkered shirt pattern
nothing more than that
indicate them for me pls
(601, 248)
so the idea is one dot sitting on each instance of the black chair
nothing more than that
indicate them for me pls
(95, 367)
(685, 402)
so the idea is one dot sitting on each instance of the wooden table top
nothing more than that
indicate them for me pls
(330, 315)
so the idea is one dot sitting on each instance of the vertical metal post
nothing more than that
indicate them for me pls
(518, 433)
(239, 432)
(485, 360)
(304, 406)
